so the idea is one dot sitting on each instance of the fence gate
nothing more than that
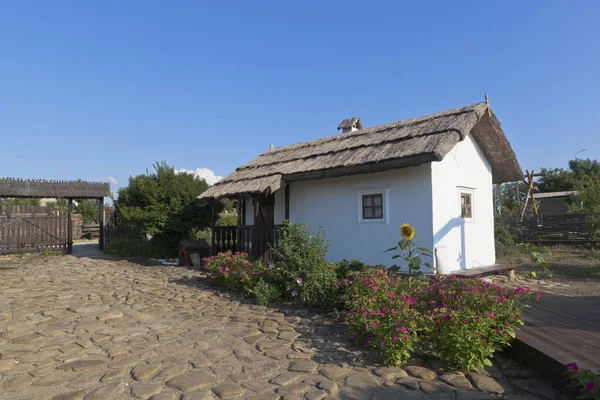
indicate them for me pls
(22, 234)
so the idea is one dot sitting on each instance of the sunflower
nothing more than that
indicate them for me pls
(407, 231)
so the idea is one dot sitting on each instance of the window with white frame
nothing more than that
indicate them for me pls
(372, 206)
(467, 203)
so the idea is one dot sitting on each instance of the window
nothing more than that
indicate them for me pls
(466, 205)
(372, 206)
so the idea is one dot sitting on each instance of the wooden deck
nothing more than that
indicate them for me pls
(560, 330)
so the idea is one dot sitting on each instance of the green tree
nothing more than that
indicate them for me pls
(559, 180)
(89, 210)
(163, 204)
(59, 204)
(19, 202)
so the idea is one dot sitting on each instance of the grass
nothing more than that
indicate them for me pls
(566, 262)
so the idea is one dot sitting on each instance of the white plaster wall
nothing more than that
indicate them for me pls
(279, 216)
(249, 211)
(463, 243)
(333, 204)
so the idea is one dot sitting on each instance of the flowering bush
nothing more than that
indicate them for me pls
(234, 270)
(471, 319)
(584, 379)
(383, 313)
(466, 320)
(266, 293)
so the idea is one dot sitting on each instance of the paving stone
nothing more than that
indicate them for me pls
(165, 396)
(255, 386)
(76, 395)
(290, 336)
(329, 385)
(205, 394)
(144, 390)
(16, 382)
(307, 366)
(420, 372)
(390, 373)
(126, 362)
(535, 387)
(172, 371)
(81, 365)
(407, 383)
(457, 380)
(249, 356)
(267, 396)
(239, 377)
(430, 387)
(486, 384)
(294, 388)
(269, 344)
(115, 374)
(52, 380)
(278, 353)
(107, 392)
(228, 390)
(334, 372)
(216, 353)
(285, 379)
(193, 380)
(6, 365)
(315, 395)
(361, 380)
(145, 371)
(253, 339)
(475, 395)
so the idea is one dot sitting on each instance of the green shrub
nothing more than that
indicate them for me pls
(301, 251)
(464, 320)
(235, 270)
(266, 293)
(345, 267)
(227, 219)
(137, 247)
(319, 288)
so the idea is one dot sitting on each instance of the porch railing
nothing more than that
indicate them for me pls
(256, 240)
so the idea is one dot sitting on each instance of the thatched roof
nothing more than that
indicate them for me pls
(350, 123)
(39, 188)
(395, 145)
(552, 195)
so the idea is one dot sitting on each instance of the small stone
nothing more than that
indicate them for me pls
(253, 339)
(329, 385)
(228, 390)
(334, 372)
(434, 387)
(307, 366)
(255, 386)
(77, 395)
(269, 344)
(81, 365)
(290, 336)
(285, 379)
(361, 380)
(535, 387)
(248, 356)
(144, 390)
(145, 371)
(295, 388)
(486, 384)
(193, 380)
(111, 391)
(407, 383)
(457, 380)
(312, 380)
(390, 373)
(420, 372)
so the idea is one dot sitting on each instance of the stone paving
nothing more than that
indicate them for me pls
(94, 327)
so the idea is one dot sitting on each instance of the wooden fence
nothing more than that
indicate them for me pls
(33, 233)
(257, 241)
(576, 228)
(112, 232)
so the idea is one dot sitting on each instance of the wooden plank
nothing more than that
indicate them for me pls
(70, 227)
(101, 222)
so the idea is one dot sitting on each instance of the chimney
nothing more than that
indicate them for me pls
(350, 125)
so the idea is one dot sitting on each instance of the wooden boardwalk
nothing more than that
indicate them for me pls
(560, 330)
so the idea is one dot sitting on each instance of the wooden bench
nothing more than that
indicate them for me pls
(495, 269)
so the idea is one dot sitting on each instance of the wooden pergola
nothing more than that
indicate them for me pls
(25, 188)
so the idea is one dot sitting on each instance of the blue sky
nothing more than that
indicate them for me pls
(103, 89)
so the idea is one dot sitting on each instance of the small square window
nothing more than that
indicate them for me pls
(372, 206)
(466, 205)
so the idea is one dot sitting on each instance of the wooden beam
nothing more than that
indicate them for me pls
(101, 222)
(70, 226)
(287, 201)
(213, 220)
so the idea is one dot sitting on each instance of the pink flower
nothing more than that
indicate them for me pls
(382, 340)
(396, 338)
(404, 339)
(404, 329)
(589, 386)
(375, 324)
(394, 311)
(573, 367)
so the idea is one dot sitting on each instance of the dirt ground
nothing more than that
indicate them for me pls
(575, 271)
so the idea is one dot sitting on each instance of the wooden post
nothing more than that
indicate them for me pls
(287, 201)
(70, 226)
(101, 222)
(213, 219)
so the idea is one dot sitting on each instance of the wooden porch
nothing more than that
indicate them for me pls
(256, 240)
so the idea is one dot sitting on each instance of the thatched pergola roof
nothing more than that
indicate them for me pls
(39, 188)
(395, 145)
(552, 195)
